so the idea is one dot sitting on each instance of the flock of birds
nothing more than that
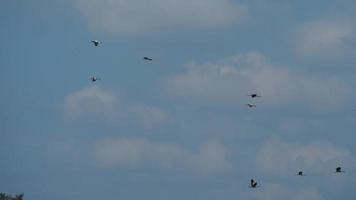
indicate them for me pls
(97, 43)
(253, 183)
(254, 95)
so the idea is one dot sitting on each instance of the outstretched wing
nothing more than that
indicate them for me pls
(254, 184)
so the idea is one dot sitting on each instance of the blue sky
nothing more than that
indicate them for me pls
(177, 127)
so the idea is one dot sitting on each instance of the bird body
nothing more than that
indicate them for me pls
(338, 170)
(253, 183)
(147, 58)
(93, 79)
(251, 105)
(254, 95)
(300, 173)
(96, 42)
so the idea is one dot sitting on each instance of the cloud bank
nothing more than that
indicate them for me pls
(227, 82)
(325, 39)
(279, 157)
(126, 17)
(141, 153)
(97, 103)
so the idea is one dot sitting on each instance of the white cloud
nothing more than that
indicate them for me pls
(278, 157)
(136, 153)
(94, 102)
(138, 17)
(230, 80)
(324, 39)
(150, 115)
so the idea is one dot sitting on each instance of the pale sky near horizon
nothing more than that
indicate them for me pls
(178, 127)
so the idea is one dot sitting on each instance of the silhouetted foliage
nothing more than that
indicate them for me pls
(4, 196)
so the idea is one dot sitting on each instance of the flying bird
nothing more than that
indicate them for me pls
(300, 173)
(251, 105)
(96, 42)
(93, 79)
(147, 58)
(338, 170)
(254, 95)
(253, 184)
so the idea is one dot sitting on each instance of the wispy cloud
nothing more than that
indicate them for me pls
(141, 153)
(92, 101)
(227, 82)
(100, 104)
(279, 157)
(127, 17)
(150, 115)
(325, 39)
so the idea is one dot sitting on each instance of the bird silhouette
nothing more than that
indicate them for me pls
(96, 42)
(338, 170)
(250, 105)
(147, 58)
(253, 183)
(300, 173)
(254, 95)
(93, 79)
